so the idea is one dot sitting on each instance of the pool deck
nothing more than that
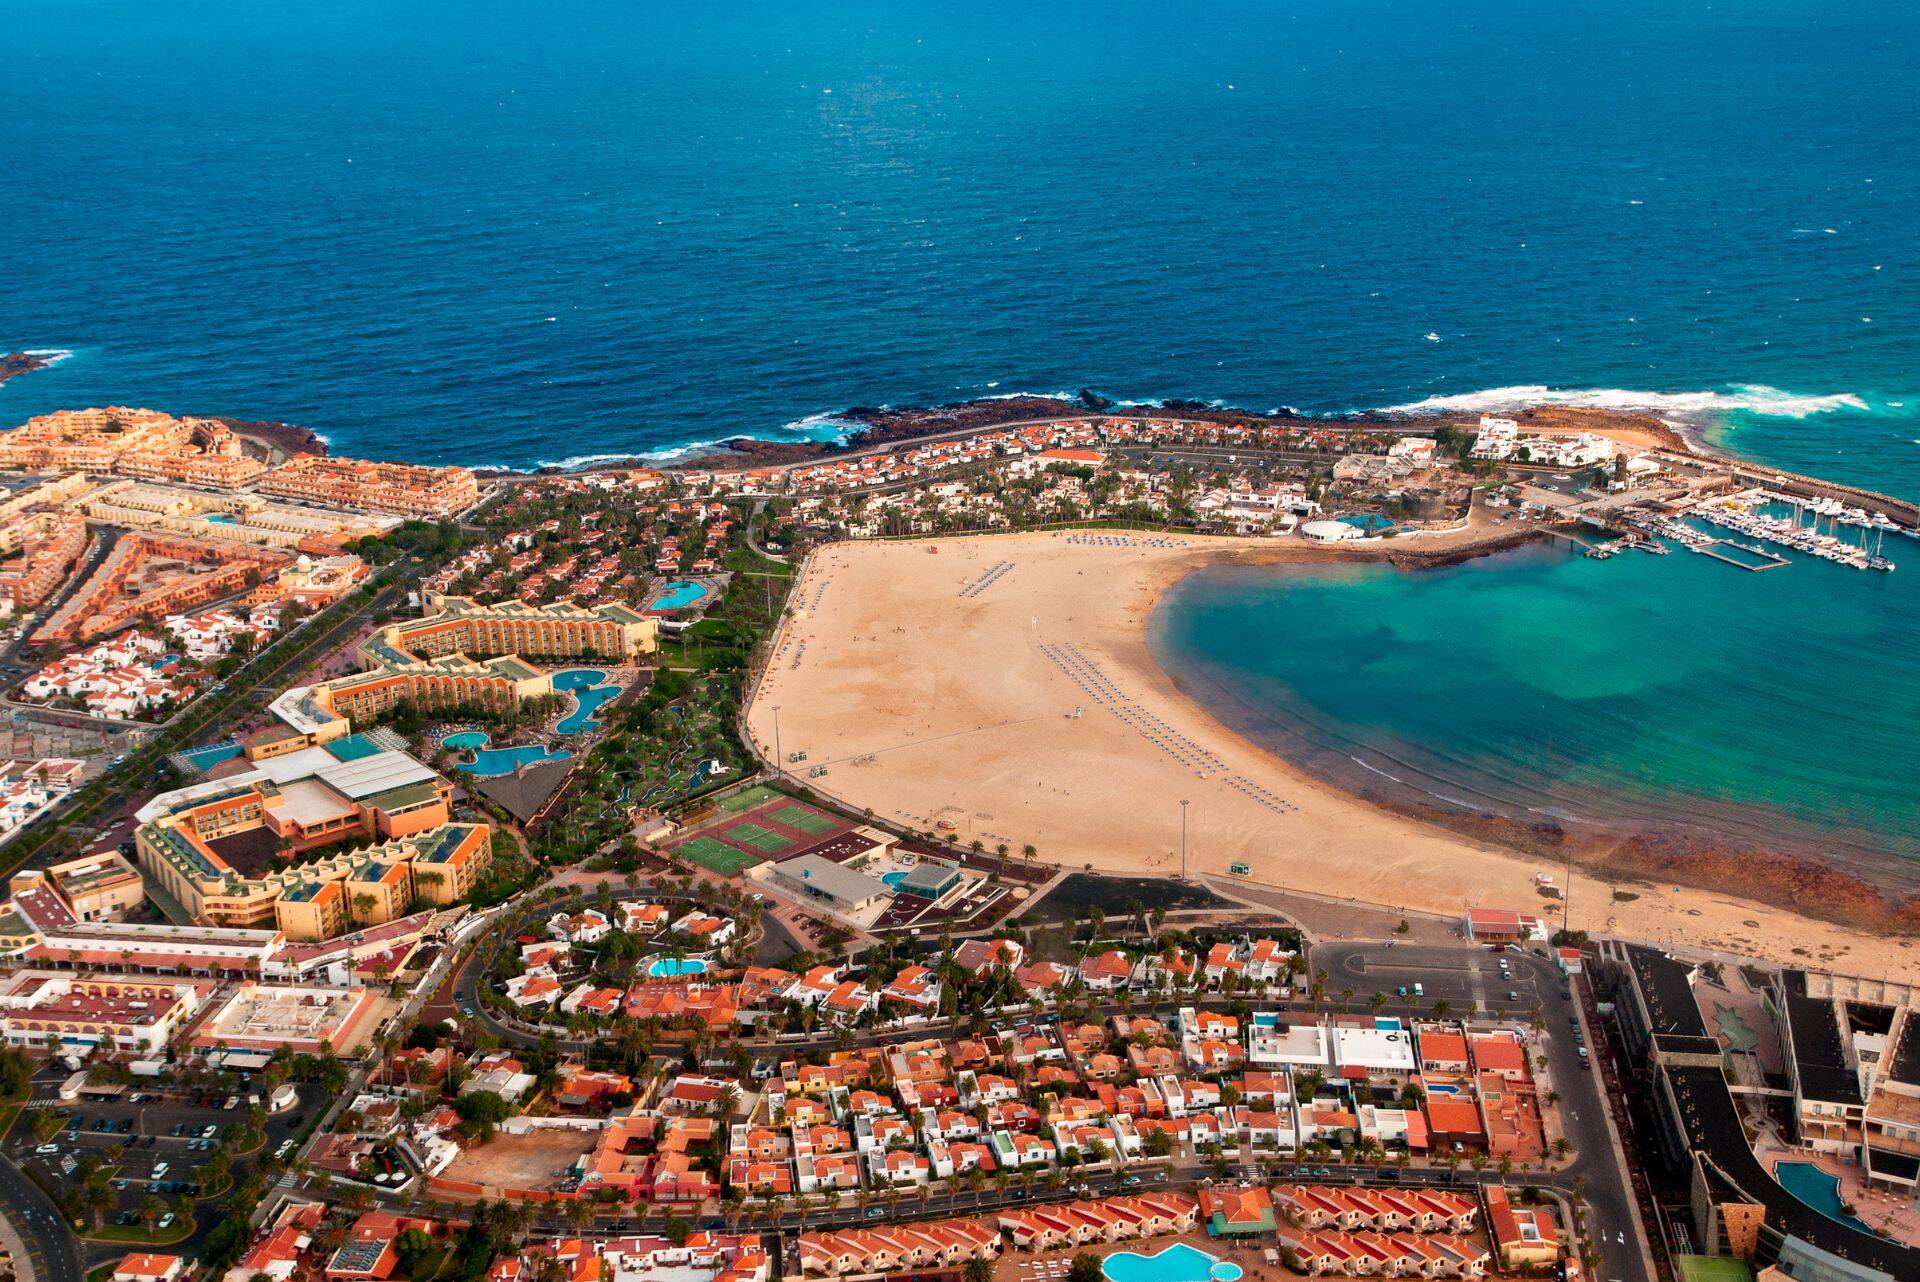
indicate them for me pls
(1050, 1266)
(1892, 1212)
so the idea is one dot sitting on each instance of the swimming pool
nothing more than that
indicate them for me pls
(205, 759)
(588, 696)
(893, 879)
(668, 968)
(1178, 1263)
(1371, 522)
(1817, 1189)
(488, 762)
(680, 594)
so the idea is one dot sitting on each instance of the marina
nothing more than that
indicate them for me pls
(1747, 513)
(1766, 520)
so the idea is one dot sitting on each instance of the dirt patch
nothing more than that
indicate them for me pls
(537, 1160)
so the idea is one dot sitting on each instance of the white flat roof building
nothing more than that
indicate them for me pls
(1381, 1046)
(1302, 1043)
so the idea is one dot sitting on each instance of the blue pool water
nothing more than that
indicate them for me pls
(893, 879)
(465, 740)
(680, 594)
(204, 759)
(488, 762)
(221, 518)
(588, 696)
(1178, 1263)
(1816, 1188)
(668, 968)
(1371, 522)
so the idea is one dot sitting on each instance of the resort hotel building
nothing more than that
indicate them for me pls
(401, 488)
(225, 850)
(461, 653)
(131, 442)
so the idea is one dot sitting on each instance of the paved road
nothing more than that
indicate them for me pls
(1463, 973)
(52, 1252)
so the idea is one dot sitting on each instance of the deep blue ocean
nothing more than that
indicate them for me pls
(511, 233)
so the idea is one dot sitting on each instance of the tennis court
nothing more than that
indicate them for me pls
(763, 839)
(801, 819)
(716, 856)
(759, 794)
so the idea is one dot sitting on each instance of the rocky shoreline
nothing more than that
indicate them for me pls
(18, 364)
(279, 441)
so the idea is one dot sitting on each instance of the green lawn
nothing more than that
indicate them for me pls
(716, 856)
(760, 838)
(808, 821)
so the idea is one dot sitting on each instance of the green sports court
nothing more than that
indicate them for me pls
(716, 856)
(757, 795)
(761, 839)
(801, 819)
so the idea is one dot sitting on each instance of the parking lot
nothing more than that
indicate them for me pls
(152, 1144)
(1464, 976)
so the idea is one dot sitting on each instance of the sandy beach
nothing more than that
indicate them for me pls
(1004, 684)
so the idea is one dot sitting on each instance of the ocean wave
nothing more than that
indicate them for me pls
(1755, 398)
(665, 454)
(51, 355)
(822, 427)
(1070, 397)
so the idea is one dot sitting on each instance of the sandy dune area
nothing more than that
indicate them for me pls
(1004, 685)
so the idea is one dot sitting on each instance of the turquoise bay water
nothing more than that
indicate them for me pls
(1778, 707)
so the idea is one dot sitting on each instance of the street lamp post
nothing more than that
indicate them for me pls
(1183, 840)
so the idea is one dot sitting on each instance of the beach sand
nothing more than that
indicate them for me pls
(926, 704)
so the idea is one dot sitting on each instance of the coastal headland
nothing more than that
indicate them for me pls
(18, 364)
(871, 428)
(1032, 711)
